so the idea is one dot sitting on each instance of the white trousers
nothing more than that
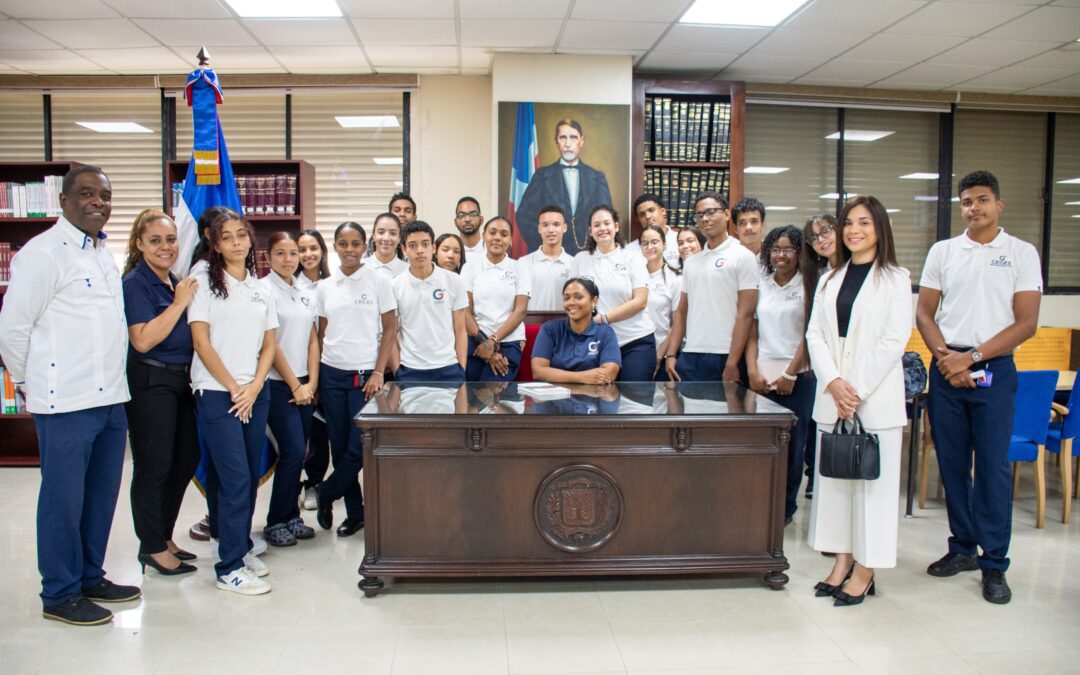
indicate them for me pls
(859, 516)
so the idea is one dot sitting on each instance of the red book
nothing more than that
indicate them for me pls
(290, 195)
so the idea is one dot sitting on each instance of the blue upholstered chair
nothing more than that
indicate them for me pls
(1059, 439)
(1034, 394)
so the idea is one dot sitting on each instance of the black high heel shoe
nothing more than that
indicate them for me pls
(846, 599)
(825, 590)
(183, 568)
(184, 556)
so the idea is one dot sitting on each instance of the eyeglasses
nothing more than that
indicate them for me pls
(706, 214)
(783, 250)
(468, 214)
(825, 231)
(652, 244)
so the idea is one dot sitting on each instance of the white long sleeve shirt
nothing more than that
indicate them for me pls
(62, 326)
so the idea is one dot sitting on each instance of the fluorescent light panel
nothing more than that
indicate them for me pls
(115, 127)
(1072, 203)
(388, 160)
(892, 210)
(731, 13)
(920, 176)
(833, 195)
(860, 135)
(284, 9)
(765, 169)
(779, 208)
(1071, 181)
(367, 121)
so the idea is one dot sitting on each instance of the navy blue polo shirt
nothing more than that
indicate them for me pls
(145, 297)
(566, 350)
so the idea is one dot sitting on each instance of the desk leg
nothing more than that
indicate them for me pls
(913, 452)
(776, 580)
(370, 586)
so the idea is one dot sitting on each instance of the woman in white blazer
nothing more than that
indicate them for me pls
(859, 327)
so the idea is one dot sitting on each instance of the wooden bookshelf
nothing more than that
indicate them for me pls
(19, 446)
(691, 92)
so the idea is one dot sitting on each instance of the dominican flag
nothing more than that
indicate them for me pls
(209, 179)
(526, 162)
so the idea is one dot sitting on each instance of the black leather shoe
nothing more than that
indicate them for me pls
(107, 591)
(147, 559)
(324, 511)
(952, 564)
(844, 599)
(349, 527)
(200, 531)
(995, 588)
(185, 556)
(78, 611)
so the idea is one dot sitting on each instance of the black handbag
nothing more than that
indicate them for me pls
(849, 452)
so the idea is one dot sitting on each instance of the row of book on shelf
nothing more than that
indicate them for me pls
(679, 187)
(678, 130)
(11, 402)
(260, 194)
(32, 199)
(5, 261)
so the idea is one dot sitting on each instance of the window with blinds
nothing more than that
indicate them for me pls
(253, 123)
(900, 169)
(358, 167)
(22, 127)
(1012, 146)
(131, 160)
(790, 143)
(1065, 214)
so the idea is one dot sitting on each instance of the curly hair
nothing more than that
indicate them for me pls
(794, 236)
(145, 217)
(216, 271)
(590, 244)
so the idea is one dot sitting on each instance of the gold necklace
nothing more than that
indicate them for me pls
(581, 245)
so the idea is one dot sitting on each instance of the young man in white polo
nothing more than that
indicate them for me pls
(716, 306)
(650, 210)
(978, 300)
(431, 305)
(548, 266)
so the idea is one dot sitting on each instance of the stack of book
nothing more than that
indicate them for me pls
(260, 194)
(683, 130)
(5, 262)
(679, 187)
(262, 262)
(33, 199)
(11, 402)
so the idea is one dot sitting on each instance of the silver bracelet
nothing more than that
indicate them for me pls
(789, 378)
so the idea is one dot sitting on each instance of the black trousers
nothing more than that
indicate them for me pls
(164, 449)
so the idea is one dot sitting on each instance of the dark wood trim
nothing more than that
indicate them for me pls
(46, 121)
(945, 164)
(288, 125)
(1048, 197)
(406, 142)
(175, 81)
(840, 121)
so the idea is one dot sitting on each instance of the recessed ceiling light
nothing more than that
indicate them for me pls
(728, 13)
(1071, 181)
(765, 169)
(115, 127)
(367, 121)
(779, 208)
(833, 195)
(388, 160)
(860, 135)
(920, 176)
(284, 9)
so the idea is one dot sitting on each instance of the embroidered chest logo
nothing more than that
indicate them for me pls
(594, 347)
(1001, 261)
(364, 299)
(507, 275)
(257, 297)
(564, 275)
(793, 296)
(305, 301)
(719, 263)
(620, 267)
(439, 294)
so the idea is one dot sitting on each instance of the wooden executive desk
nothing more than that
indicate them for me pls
(638, 478)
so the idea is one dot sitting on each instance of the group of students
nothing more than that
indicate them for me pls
(815, 318)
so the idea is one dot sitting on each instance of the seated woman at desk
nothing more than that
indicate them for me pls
(576, 350)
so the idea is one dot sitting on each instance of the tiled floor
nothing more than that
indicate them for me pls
(316, 620)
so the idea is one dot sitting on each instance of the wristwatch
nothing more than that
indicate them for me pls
(976, 356)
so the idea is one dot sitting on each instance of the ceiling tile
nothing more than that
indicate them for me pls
(197, 32)
(342, 58)
(513, 9)
(406, 31)
(14, 35)
(161, 9)
(823, 44)
(476, 71)
(94, 33)
(656, 10)
(1053, 24)
(961, 19)
(633, 53)
(854, 70)
(475, 57)
(413, 9)
(690, 61)
(1068, 87)
(139, 60)
(408, 57)
(419, 70)
(719, 39)
(933, 76)
(610, 35)
(985, 51)
(47, 61)
(1068, 57)
(776, 68)
(855, 15)
(315, 32)
(69, 9)
(887, 47)
(1015, 78)
(514, 34)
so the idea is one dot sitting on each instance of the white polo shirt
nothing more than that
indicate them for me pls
(671, 247)
(295, 307)
(546, 279)
(616, 274)
(781, 317)
(307, 284)
(426, 317)
(475, 252)
(712, 279)
(237, 326)
(664, 289)
(977, 284)
(62, 326)
(494, 287)
(393, 268)
(353, 306)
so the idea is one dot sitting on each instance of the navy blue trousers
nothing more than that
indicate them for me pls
(478, 370)
(234, 449)
(317, 460)
(976, 425)
(291, 426)
(638, 359)
(452, 373)
(82, 459)
(801, 402)
(342, 395)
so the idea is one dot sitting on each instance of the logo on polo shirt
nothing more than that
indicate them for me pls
(594, 347)
(620, 267)
(364, 299)
(565, 274)
(305, 301)
(257, 297)
(439, 294)
(793, 295)
(1001, 261)
(508, 275)
(719, 263)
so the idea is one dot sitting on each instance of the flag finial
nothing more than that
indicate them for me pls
(204, 58)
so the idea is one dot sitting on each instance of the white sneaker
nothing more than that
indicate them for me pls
(258, 544)
(309, 501)
(257, 567)
(244, 582)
